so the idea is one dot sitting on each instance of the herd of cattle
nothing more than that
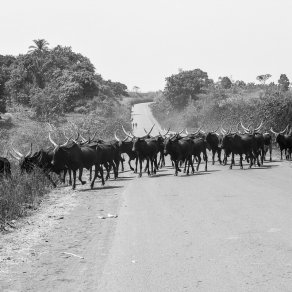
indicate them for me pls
(183, 147)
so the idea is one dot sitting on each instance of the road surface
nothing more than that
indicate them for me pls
(220, 230)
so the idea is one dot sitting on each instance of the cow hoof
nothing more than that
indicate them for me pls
(83, 182)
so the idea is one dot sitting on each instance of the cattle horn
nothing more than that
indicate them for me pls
(274, 131)
(131, 136)
(30, 151)
(51, 140)
(17, 152)
(216, 130)
(258, 128)
(150, 130)
(83, 139)
(116, 136)
(244, 128)
(282, 132)
(91, 139)
(14, 156)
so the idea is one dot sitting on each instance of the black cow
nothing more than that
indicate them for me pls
(180, 150)
(5, 170)
(126, 146)
(41, 159)
(76, 157)
(284, 141)
(239, 144)
(200, 146)
(146, 149)
(267, 144)
(213, 142)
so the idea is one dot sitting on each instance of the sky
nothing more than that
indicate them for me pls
(141, 42)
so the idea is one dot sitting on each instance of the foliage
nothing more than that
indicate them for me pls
(185, 85)
(226, 82)
(54, 81)
(218, 105)
(40, 46)
(284, 82)
(263, 78)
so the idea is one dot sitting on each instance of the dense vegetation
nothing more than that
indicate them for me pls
(191, 100)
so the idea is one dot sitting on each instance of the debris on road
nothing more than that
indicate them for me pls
(72, 254)
(108, 216)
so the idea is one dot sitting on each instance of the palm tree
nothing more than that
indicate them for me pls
(41, 45)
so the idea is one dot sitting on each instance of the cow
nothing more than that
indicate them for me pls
(126, 146)
(180, 150)
(76, 157)
(283, 138)
(146, 148)
(5, 169)
(239, 144)
(213, 141)
(200, 146)
(267, 144)
(40, 159)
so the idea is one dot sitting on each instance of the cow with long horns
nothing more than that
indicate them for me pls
(213, 141)
(146, 149)
(180, 150)
(40, 159)
(284, 140)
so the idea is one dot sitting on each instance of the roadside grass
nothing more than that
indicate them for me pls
(20, 193)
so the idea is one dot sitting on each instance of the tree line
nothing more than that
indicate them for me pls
(53, 81)
(185, 86)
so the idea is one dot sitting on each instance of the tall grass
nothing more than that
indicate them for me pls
(20, 192)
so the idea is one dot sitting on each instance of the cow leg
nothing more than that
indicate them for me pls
(136, 168)
(90, 173)
(232, 160)
(250, 165)
(206, 160)
(176, 167)
(213, 157)
(80, 176)
(219, 156)
(141, 165)
(185, 168)
(148, 167)
(129, 162)
(199, 161)
(270, 152)
(74, 180)
(64, 176)
(70, 177)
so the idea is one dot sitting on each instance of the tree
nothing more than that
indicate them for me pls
(263, 78)
(185, 85)
(240, 83)
(41, 45)
(226, 82)
(284, 82)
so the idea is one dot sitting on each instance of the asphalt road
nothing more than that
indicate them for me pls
(220, 230)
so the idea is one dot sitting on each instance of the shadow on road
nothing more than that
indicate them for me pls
(160, 174)
(101, 188)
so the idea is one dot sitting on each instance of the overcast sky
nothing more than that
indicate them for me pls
(140, 43)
